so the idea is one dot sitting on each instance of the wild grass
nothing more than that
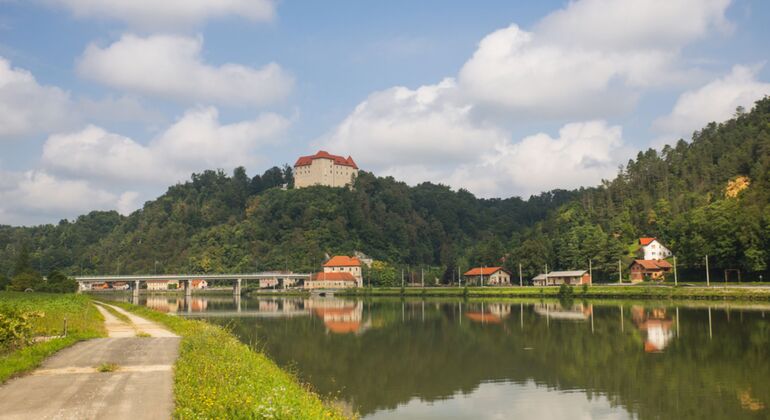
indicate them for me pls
(82, 318)
(217, 376)
(107, 367)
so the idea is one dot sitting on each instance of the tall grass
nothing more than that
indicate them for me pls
(83, 322)
(217, 376)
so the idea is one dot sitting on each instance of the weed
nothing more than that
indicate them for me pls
(107, 367)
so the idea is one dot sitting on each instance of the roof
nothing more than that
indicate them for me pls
(322, 154)
(333, 276)
(482, 271)
(343, 261)
(573, 273)
(653, 264)
(540, 276)
(645, 241)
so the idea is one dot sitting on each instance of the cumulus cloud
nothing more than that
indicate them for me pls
(151, 14)
(715, 101)
(27, 107)
(585, 62)
(34, 196)
(195, 142)
(171, 66)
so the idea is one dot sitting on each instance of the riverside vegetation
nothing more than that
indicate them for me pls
(217, 376)
(32, 327)
(708, 196)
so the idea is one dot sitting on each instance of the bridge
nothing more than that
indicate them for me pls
(85, 282)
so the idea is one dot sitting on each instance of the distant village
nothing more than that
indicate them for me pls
(341, 271)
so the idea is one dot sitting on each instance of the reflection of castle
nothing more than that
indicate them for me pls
(576, 312)
(164, 304)
(656, 324)
(339, 316)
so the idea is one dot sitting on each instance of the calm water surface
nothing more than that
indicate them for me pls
(447, 359)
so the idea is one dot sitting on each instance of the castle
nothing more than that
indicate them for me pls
(326, 169)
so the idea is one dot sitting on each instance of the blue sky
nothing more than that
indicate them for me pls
(108, 102)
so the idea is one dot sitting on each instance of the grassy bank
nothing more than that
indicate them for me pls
(217, 376)
(639, 291)
(47, 313)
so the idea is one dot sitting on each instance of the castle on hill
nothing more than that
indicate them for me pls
(326, 169)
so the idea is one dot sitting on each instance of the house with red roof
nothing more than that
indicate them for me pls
(345, 264)
(652, 249)
(331, 280)
(324, 168)
(649, 269)
(493, 276)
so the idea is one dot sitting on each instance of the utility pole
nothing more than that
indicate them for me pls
(620, 272)
(459, 277)
(482, 276)
(708, 278)
(521, 279)
(676, 281)
(422, 277)
(402, 278)
(546, 276)
(590, 272)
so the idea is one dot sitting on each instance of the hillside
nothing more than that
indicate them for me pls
(220, 223)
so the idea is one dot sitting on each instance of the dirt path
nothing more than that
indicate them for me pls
(69, 384)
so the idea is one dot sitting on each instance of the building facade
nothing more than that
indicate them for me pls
(557, 278)
(493, 276)
(650, 269)
(345, 264)
(162, 284)
(326, 169)
(652, 249)
(331, 280)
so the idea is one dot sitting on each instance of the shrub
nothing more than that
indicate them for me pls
(566, 291)
(585, 288)
(16, 328)
(24, 281)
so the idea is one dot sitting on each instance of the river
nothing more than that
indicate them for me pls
(457, 359)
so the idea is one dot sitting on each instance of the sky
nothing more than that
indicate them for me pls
(104, 104)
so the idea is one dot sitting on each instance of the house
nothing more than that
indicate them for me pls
(345, 264)
(162, 284)
(199, 284)
(652, 249)
(332, 280)
(120, 285)
(649, 269)
(326, 169)
(556, 278)
(493, 276)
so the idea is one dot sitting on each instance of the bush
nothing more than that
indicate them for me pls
(57, 282)
(585, 288)
(566, 291)
(16, 328)
(28, 280)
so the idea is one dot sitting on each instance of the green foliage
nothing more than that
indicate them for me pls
(26, 281)
(566, 291)
(56, 282)
(15, 328)
(4, 282)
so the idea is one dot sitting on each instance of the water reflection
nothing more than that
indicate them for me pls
(423, 358)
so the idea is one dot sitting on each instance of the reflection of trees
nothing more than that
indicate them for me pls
(696, 377)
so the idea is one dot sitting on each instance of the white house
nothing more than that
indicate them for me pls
(653, 249)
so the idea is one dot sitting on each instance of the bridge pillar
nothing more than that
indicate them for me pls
(237, 287)
(136, 292)
(187, 288)
(237, 301)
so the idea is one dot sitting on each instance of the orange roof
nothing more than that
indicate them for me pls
(343, 261)
(333, 276)
(645, 241)
(485, 271)
(322, 154)
(653, 264)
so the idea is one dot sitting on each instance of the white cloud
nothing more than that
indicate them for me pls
(35, 197)
(27, 107)
(715, 101)
(168, 13)
(171, 66)
(195, 142)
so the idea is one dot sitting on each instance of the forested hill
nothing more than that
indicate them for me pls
(221, 223)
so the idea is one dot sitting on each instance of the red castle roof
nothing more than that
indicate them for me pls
(322, 154)
(343, 261)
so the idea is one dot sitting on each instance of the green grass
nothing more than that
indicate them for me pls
(217, 376)
(638, 291)
(107, 367)
(83, 322)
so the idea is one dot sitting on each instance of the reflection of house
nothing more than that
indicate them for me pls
(164, 304)
(345, 264)
(339, 316)
(577, 312)
(198, 304)
(652, 269)
(487, 275)
(656, 324)
(338, 280)
(483, 317)
(162, 284)
(652, 249)
(556, 278)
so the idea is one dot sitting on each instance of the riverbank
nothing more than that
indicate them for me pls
(32, 328)
(217, 376)
(637, 291)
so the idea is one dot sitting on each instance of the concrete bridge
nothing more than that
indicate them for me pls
(84, 282)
